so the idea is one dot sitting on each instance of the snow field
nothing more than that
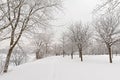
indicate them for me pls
(59, 68)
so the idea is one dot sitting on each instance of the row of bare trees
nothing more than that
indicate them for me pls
(106, 31)
(106, 26)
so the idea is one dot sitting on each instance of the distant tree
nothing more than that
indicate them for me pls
(71, 46)
(80, 34)
(18, 57)
(98, 48)
(63, 41)
(57, 49)
(42, 43)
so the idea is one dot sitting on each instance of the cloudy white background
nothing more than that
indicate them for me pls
(74, 10)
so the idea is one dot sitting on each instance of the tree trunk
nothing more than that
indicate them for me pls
(12, 45)
(63, 53)
(46, 48)
(110, 54)
(116, 53)
(72, 52)
(7, 60)
(80, 54)
(72, 55)
(37, 55)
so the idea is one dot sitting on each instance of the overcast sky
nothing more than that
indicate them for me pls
(74, 10)
(79, 9)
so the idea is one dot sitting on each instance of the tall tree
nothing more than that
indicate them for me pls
(71, 46)
(108, 30)
(80, 34)
(22, 15)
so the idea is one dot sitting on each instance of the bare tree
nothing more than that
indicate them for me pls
(38, 44)
(80, 35)
(42, 43)
(108, 31)
(57, 49)
(107, 6)
(22, 15)
(71, 46)
(63, 43)
(18, 57)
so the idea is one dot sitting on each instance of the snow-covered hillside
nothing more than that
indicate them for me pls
(59, 68)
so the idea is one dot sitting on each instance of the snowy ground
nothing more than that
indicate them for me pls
(59, 68)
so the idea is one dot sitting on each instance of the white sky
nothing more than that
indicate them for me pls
(74, 10)
(79, 9)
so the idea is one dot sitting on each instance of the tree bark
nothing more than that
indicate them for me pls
(63, 53)
(72, 52)
(46, 47)
(110, 54)
(12, 45)
(116, 53)
(80, 54)
(37, 55)
(7, 60)
(72, 55)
